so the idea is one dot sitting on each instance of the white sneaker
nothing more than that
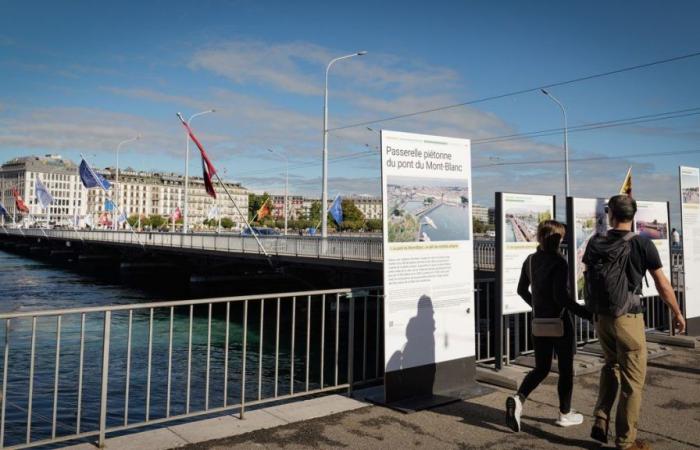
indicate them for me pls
(570, 419)
(514, 408)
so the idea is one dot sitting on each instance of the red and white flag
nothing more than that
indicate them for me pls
(208, 169)
(176, 215)
(21, 206)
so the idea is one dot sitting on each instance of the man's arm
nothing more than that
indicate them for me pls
(665, 290)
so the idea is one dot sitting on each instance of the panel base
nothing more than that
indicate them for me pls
(428, 386)
(693, 326)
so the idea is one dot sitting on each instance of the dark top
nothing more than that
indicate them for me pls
(550, 288)
(643, 256)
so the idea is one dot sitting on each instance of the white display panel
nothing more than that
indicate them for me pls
(520, 214)
(690, 220)
(652, 221)
(428, 250)
(589, 219)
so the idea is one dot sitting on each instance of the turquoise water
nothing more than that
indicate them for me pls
(27, 285)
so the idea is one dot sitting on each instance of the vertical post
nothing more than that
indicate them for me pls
(228, 320)
(245, 345)
(277, 345)
(128, 368)
(57, 366)
(4, 382)
(148, 369)
(170, 361)
(308, 338)
(351, 342)
(105, 378)
(31, 382)
(337, 336)
(291, 370)
(260, 347)
(498, 304)
(206, 382)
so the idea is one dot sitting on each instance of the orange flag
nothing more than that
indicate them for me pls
(264, 210)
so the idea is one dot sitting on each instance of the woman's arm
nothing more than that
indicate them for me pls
(524, 284)
(562, 293)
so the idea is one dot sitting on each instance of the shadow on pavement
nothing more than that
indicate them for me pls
(483, 416)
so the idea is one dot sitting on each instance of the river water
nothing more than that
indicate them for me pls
(28, 285)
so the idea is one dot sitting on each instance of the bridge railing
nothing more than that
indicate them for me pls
(336, 247)
(84, 372)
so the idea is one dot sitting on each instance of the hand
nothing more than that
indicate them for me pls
(679, 322)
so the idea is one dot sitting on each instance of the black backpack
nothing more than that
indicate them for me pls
(607, 288)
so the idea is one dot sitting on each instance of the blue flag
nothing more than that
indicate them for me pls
(3, 211)
(336, 210)
(92, 179)
(121, 219)
(109, 205)
(42, 194)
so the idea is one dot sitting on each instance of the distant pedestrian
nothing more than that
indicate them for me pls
(546, 274)
(676, 237)
(615, 266)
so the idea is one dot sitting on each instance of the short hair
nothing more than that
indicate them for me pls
(623, 207)
(549, 235)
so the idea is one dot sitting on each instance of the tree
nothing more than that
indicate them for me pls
(315, 212)
(373, 225)
(255, 202)
(479, 226)
(226, 222)
(156, 221)
(353, 219)
(133, 220)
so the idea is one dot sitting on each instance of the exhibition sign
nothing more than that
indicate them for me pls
(652, 221)
(690, 221)
(589, 219)
(518, 216)
(429, 337)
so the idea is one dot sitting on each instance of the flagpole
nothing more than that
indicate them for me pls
(138, 238)
(245, 218)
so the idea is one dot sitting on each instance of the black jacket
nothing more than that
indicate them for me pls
(550, 288)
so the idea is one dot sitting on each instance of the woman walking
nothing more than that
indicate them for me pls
(546, 274)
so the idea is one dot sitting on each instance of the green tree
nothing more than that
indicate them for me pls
(156, 221)
(315, 212)
(226, 222)
(373, 225)
(479, 226)
(353, 219)
(133, 220)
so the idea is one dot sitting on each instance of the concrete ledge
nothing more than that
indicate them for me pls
(230, 425)
(675, 341)
(583, 363)
(653, 350)
(508, 377)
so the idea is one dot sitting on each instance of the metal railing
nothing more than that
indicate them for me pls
(252, 350)
(343, 248)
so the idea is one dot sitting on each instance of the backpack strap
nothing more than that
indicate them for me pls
(629, 236)
(532, 283)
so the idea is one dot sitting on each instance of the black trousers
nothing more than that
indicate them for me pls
(564, 347)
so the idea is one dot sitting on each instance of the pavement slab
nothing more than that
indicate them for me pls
(670, 419)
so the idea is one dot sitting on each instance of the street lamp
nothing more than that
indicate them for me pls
(117, 188)
(324, 195)
(186, 220)
(566, 141)
(286, 185)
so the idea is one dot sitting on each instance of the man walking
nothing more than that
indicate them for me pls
(616, 264)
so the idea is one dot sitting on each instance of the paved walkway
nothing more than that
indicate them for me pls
(670, 419)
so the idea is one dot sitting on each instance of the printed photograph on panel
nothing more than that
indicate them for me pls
(652, 222)
(690, 191)
(590, 220)
(522, 220)
(427, 209)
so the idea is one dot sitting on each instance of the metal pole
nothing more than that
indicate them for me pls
(186, 216)
(324, 194)
(566, 141)
(105, 378)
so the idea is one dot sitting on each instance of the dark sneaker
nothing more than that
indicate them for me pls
(599, 431)
(514, 409)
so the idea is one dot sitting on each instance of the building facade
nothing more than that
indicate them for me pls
(371, 207)
(480, 213)
(152, 193)
(59, 175)
(137, 193)
(295, 206)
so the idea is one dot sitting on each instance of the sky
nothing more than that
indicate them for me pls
(80, 77)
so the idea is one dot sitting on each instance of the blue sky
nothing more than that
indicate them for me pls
(81, 76)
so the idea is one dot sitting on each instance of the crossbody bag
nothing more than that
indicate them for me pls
(544, 327)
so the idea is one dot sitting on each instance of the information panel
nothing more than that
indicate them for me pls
(690, 220)
(652, 221)
(589, 219)
(518, 216)
(428, 264)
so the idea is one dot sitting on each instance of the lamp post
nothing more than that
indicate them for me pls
(286, 186)
(117, 188)
(324, 195)
(186, 217)
(566, 141)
